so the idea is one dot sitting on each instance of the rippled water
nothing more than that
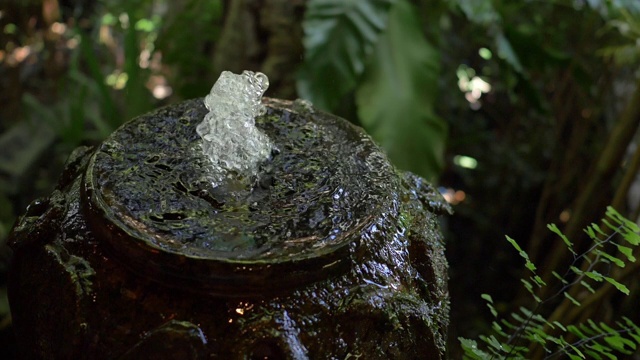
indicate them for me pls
(326, 180)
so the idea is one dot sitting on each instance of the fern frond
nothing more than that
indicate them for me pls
(514, 334)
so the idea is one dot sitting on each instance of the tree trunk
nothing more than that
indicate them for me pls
(263, 36)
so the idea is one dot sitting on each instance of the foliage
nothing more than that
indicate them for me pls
(192, 75)
(116, 65)
(523, 332)
(539, 93)
(339, 38)
(377, 49)
(553, 138)
(395, 97)
(69, 116)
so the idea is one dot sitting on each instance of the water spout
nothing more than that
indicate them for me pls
(230, 138)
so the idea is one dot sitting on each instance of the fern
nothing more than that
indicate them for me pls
(513, 337)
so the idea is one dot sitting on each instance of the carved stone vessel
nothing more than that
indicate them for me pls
(328, 253)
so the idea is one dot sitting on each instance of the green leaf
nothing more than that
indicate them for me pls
(602, 327)
(631, 325)
(507, 324)
(479, 12)
(557, 231)
(594, 275)
(633, 329)
(587, 286)
(574, 301)
(618, 343)
(515, 244)
(518, 318)
(616, 216)
(628, 252)
(591, 328)
(471, 349)
(594, 355)
(398, 93)
(506, 52)
(487, 298)
(531, 266)
(339, 37)
(611, 258)
(621, 287)
(494, 343)
(498, 329)
(493, 310)
(527, 285)
(526, 312)
(602, 350)
(635, 337)
(629, 343)
(536, 338)
(576, 271)
(597, 228)
(558, 324)
(579, 354)
(559, 277)
(615, 228)
(537, 334)
(576, 331)
(539, 280)
(631, 237)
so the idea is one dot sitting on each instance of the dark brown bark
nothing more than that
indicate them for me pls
(263, 36)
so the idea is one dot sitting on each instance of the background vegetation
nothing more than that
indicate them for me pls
(523, 112)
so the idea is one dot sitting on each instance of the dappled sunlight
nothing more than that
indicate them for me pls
(18, 55)
(472, 85)
(161, 90)
(453, 196)
(466, 162)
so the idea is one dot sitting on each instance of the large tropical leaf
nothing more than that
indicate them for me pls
(479, 11)
(339, 36)
(397, 95)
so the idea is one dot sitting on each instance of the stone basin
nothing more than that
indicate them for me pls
(329, 252)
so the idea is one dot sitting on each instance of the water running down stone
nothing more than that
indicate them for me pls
(230, 138)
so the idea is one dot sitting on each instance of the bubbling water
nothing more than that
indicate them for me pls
(230, 137)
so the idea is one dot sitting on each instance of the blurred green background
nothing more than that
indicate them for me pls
(523, 112)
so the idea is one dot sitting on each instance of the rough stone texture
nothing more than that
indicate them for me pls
(329, 253)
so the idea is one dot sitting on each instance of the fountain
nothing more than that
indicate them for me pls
(230, 138)
(298, 241)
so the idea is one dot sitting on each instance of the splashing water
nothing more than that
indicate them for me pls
(230, 138)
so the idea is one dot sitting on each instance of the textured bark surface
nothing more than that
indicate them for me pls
(265, 36)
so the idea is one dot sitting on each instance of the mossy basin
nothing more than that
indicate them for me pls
(328, 252)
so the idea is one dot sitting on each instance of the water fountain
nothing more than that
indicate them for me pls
(290, 237)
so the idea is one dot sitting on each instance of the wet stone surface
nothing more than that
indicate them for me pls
(328, 253)
(324, 178)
